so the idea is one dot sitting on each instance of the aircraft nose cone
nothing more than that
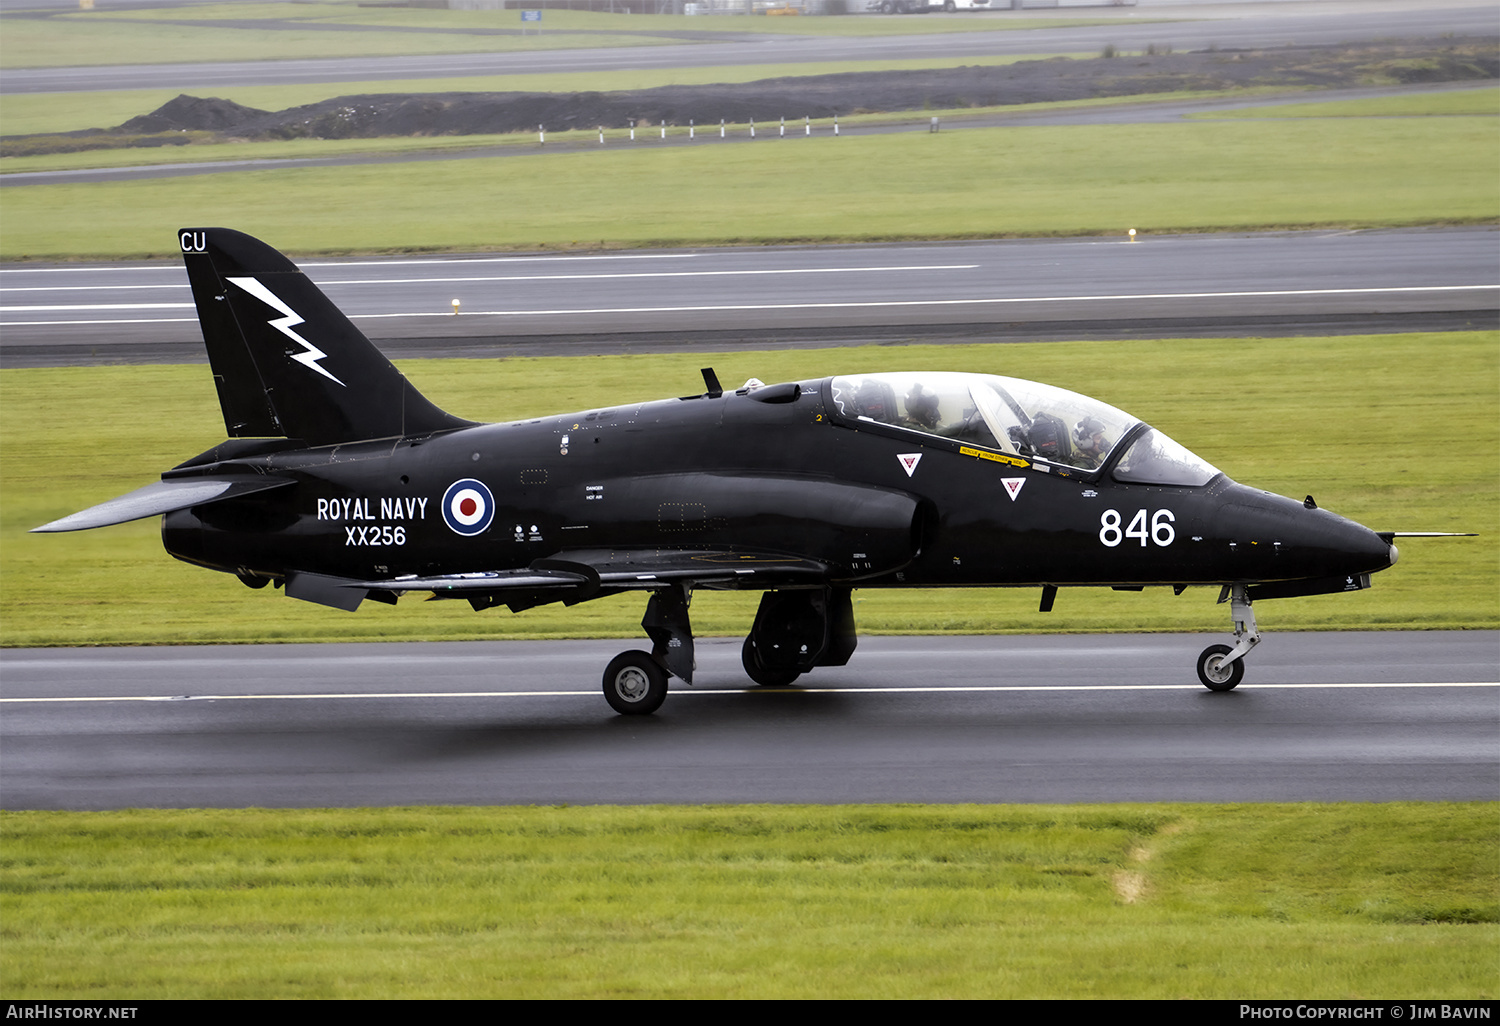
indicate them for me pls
(1301, 542)
(1343, 546)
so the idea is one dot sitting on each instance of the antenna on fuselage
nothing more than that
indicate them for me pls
(711, 382)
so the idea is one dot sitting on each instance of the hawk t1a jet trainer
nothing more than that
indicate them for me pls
(340, 483)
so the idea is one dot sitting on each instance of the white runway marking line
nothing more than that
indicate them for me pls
(424, 262)
(94, 306)
(744, 307)
(491, 278)
(658, 274)
(593, 693)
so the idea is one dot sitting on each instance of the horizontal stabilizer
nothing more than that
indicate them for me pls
(162, 497)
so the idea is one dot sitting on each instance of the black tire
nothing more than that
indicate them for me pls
(761, 675)
(635, 684)
(1212, 676)
(949, 7)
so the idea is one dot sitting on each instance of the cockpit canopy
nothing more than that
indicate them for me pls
(1020, 418)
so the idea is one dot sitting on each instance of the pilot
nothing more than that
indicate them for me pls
(869, 401)
(1089, 443)
(1047, 438)
(922, 408)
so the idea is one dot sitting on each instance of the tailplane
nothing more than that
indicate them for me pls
(285, 360)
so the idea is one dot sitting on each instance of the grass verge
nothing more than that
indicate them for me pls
(976, 183)
(1388, 430)
(1350, 901)
(1478, 100)
(281, 31)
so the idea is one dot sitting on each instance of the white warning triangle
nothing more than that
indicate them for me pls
(1013, 486)
(909, 461)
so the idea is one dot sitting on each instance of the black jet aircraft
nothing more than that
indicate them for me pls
(340, 483)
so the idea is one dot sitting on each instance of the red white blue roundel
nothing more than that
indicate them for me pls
(468, 506)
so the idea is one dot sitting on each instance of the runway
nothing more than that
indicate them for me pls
(770, 297)
(1096, 718)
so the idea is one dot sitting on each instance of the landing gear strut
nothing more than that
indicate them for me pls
(635, 683)
(1220, 667)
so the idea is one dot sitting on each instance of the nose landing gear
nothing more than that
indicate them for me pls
(1220, 667)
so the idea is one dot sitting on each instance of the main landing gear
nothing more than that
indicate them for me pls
(635, 684)
(793, 632)
(1220, 667)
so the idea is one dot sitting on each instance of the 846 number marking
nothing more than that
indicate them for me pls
(1160, 531)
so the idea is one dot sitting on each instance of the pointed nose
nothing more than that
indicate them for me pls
(1281, 538)
(1365, 550)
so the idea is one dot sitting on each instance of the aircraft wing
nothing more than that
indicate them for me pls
(576, 577)
(705, 568)
(619, 570)
(163, 497)
(483, 581)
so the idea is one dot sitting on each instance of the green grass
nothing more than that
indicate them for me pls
(460, 22)
(1483, 100)
(107, 38)
(1352, 901)
(1388, 430)
(1017, 181)
(301, 30)
(199, 147)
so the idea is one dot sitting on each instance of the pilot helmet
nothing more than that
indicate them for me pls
(921, 406)
(1084, 432)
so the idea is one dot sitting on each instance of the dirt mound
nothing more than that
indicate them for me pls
(190, 119)
(823, 96)
(190, 113)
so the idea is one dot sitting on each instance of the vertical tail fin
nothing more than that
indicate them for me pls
(285, 360)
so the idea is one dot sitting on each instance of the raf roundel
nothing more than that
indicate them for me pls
(468, 506)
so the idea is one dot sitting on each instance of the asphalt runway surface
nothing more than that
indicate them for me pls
(1321, 717)
(1208, 25)
(1319, 282)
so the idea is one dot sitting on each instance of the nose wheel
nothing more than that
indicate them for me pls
(1220, 667)
(1215, 674)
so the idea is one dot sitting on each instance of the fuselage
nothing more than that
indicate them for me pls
(784, 469)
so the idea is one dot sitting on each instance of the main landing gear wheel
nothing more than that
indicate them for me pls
(762, 675)
(635, 684)
(1214, 675)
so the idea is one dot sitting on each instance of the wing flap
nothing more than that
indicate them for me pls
(578, 576)
(162, 497)
(653, 568)
(485, 581)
